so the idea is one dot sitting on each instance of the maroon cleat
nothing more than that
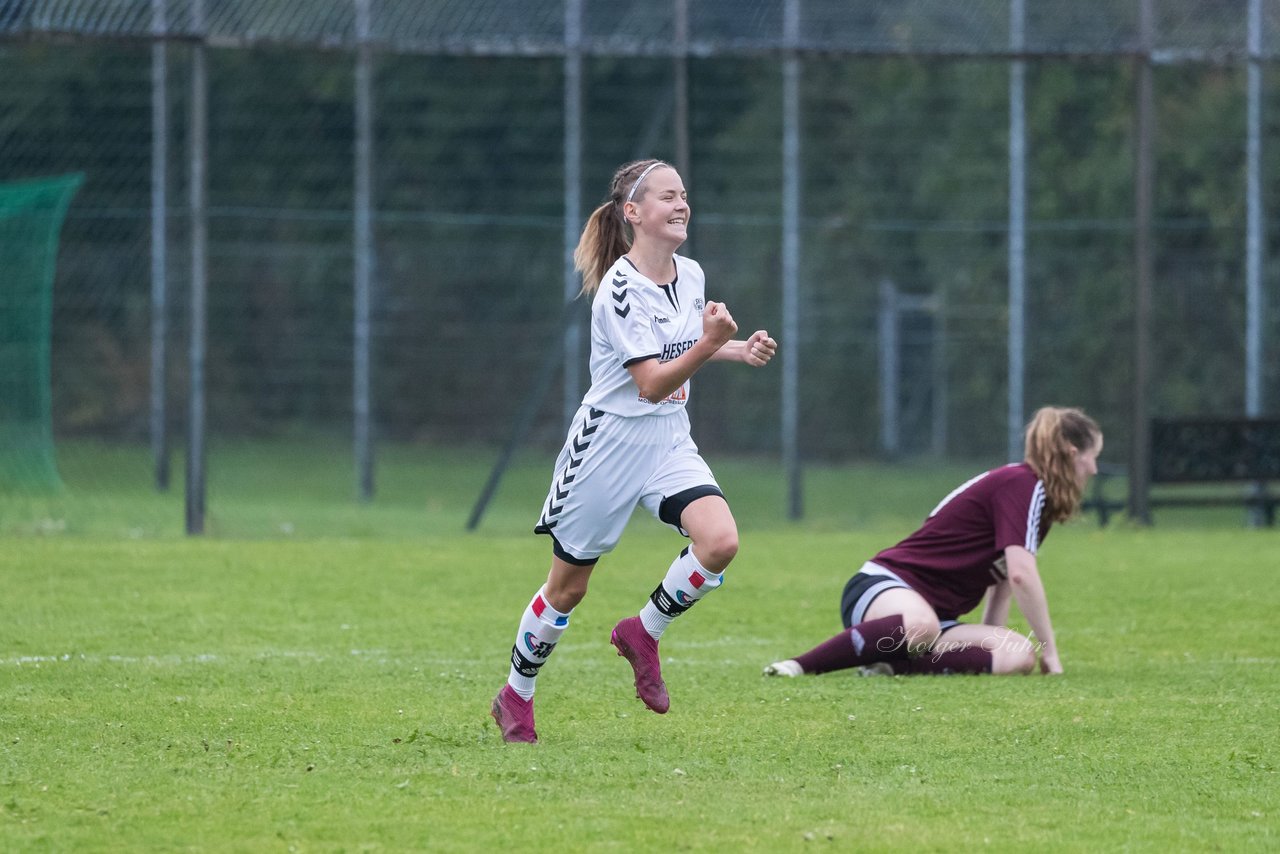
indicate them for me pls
(514, 715)
(638, 647)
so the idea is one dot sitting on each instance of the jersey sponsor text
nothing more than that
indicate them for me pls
(674, 349)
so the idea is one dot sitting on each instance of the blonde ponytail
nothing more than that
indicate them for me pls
(1050, 439)
(606, 237)
(603, 241)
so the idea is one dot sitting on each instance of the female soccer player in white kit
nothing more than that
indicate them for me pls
(629, 444)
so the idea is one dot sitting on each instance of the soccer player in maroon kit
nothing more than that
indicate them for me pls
(901, 610)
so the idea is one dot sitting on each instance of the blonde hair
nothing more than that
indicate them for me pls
(607, 235)
(1050, 437)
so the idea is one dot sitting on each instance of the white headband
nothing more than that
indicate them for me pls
(632, 192)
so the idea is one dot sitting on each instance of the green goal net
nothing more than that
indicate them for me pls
(31, 214)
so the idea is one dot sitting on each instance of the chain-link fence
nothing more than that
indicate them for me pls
(901, 118)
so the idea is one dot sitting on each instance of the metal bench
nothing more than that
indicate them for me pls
(1204, 451)
(1231, 460)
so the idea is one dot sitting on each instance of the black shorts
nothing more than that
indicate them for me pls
(862, 590)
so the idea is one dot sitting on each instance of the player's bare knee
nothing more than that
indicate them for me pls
(716, 550)
(564, 594)
(565, 600)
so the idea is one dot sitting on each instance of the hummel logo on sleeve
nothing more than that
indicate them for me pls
(622, 308)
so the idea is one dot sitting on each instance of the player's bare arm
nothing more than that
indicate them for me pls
(755, 351)
(656, 380)
(996, 611)
(1028, 592)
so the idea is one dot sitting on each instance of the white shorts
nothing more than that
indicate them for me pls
(612, 464)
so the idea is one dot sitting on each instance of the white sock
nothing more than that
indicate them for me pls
(540, 629)
(686, 582)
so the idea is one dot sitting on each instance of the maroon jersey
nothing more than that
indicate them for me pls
(959, 551)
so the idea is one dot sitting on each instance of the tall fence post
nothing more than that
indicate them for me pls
(680, 84)
(363, 256)
(573, 12)
(159, 426)
(791, 261)
(1144, 172)
(1017, 229)
(198, 143)
(1255, 296)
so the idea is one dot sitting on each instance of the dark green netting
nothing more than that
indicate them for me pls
(31, 214)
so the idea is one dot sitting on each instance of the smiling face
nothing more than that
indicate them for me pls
(660, 208)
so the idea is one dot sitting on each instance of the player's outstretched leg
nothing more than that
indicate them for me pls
(898, 623)
(866, 643)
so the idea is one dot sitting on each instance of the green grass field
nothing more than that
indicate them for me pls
(315, 675)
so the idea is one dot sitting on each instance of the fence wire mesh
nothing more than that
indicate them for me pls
(904, 116)
(1178, 28)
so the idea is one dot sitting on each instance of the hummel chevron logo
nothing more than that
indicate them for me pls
(561, 495)
(620, 297)
(577, 449)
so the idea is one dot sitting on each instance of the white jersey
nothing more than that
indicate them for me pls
(633, 319)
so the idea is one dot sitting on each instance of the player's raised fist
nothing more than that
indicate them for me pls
(759, 349)
(717, 322)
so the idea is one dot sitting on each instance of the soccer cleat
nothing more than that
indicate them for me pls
(790, 667)
(514, 716)
(638, 647)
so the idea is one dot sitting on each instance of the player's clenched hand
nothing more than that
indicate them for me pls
(717, 323)
(759, 349)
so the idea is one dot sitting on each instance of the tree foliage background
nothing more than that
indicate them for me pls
(905, 179)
